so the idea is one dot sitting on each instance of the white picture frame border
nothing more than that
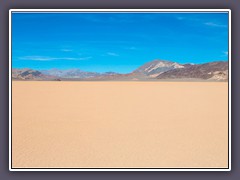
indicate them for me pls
(119, 11)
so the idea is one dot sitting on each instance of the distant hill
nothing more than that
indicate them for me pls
(156, 67)
(208, 71)
(154, 70)
(28, 74)
(134, 76)
(70, 73)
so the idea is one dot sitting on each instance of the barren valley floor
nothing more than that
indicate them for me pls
(119, 124)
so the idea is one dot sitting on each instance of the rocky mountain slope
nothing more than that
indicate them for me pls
(212, 71)
(28, 74)
(156, 67)
(154, 70)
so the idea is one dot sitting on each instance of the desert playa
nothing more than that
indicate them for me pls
(119, 124)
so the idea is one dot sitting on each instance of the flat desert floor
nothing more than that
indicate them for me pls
(119, 124)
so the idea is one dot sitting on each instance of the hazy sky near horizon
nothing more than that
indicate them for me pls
(118, 42)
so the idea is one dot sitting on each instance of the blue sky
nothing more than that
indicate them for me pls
(117, 42)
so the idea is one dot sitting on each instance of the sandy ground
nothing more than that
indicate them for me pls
(119, 124)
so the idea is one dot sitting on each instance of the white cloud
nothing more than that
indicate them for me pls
(187, 18)
(225, 52)
(214, 24)
(112, 54)
(66, 50)
(131, 48)
(180, 18)
(46, 58)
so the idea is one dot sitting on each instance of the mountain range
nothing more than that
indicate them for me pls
(154, 70)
